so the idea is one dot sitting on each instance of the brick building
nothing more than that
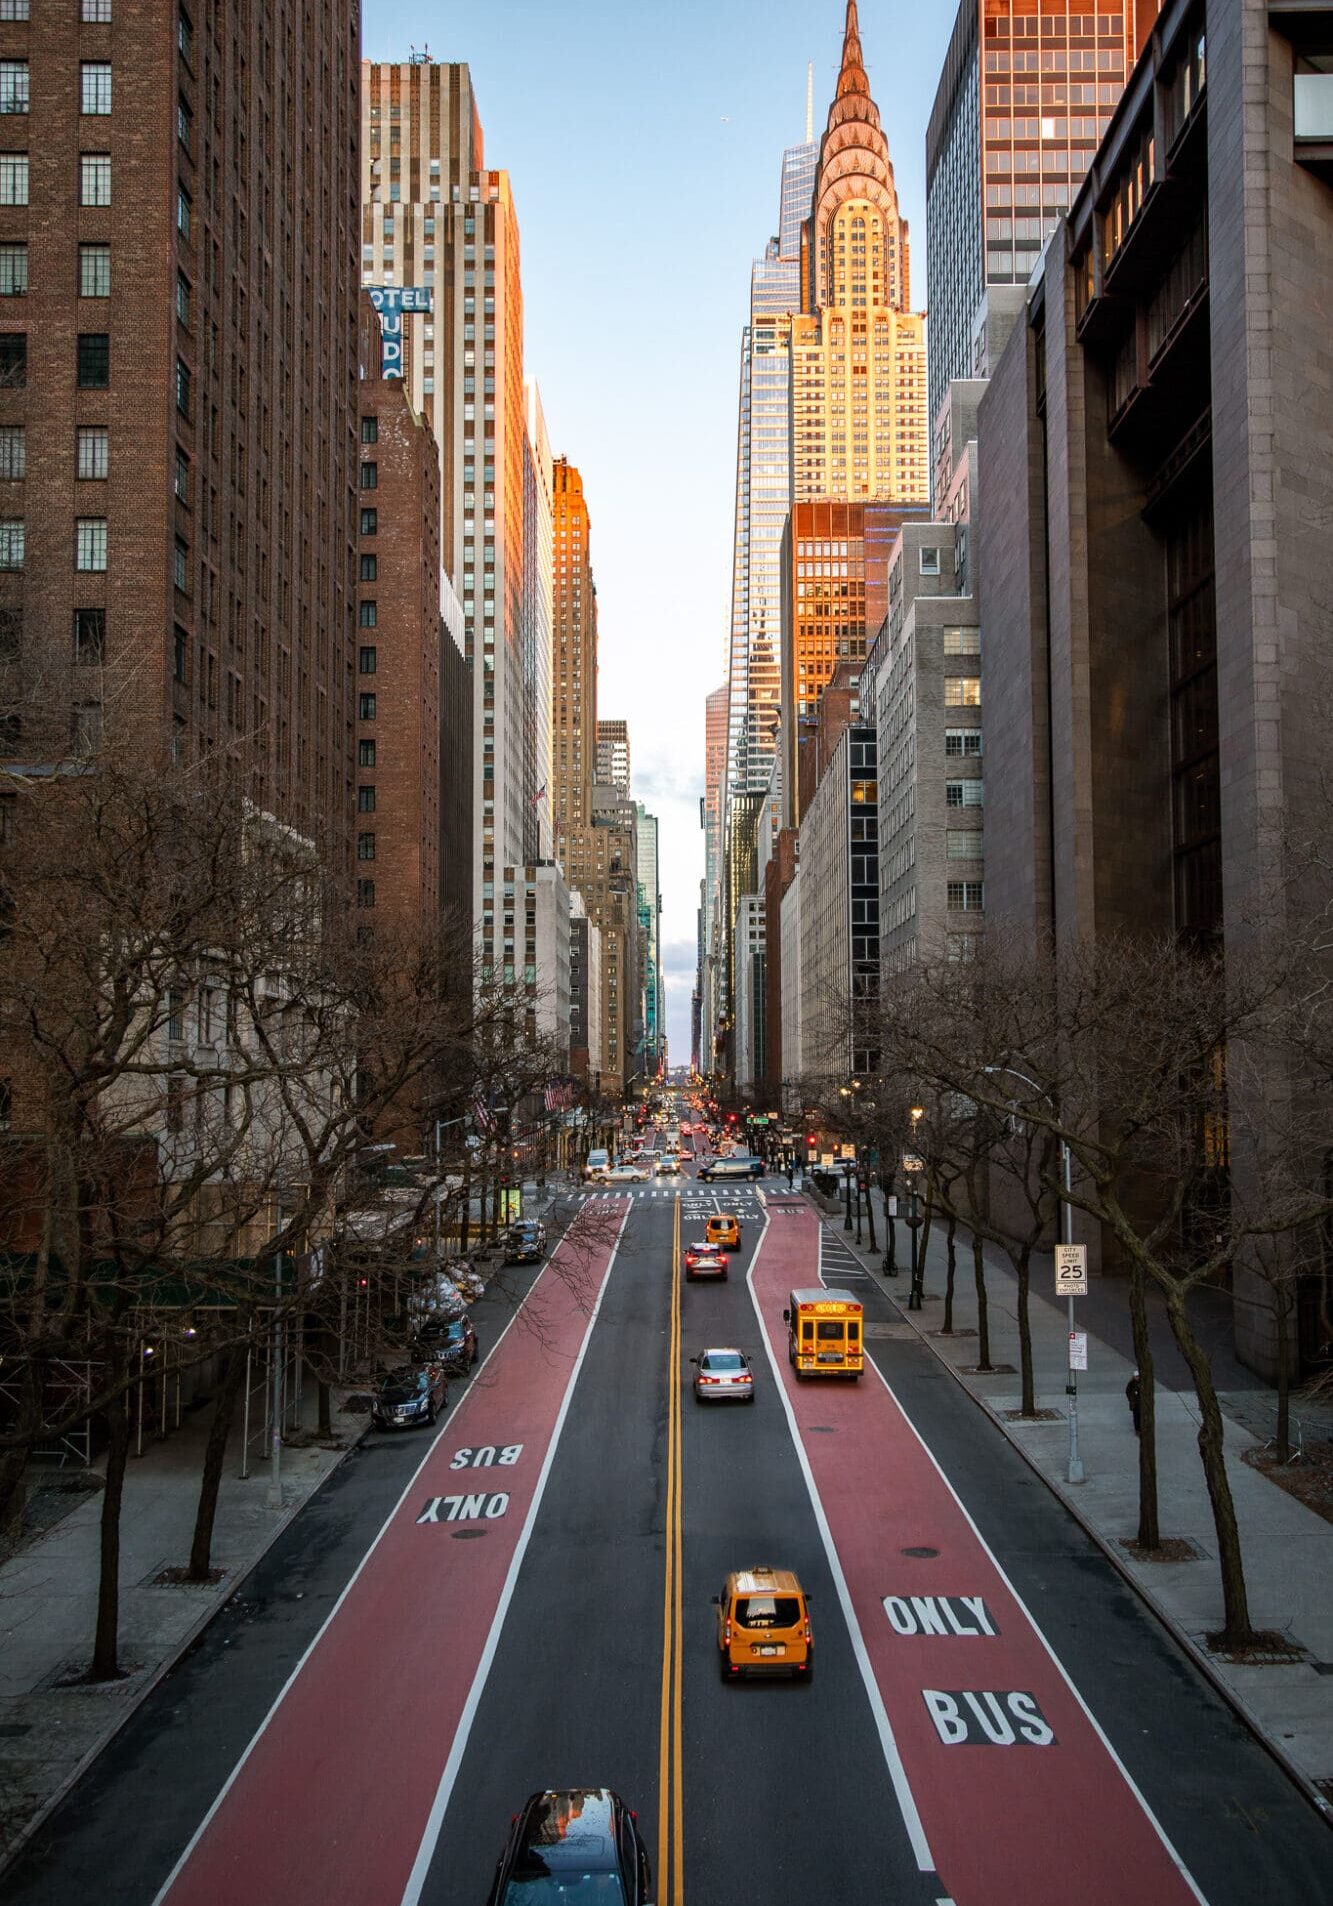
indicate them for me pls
(400, 636)
(178, 329)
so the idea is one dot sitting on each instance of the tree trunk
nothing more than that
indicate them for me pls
(1022, 1265)
(106, 1665)
(215, 1453)
(1150, 1534)
(325, 1400)
(891, 1237)
(870, 1220)
(983, 1312)
(1282, 1434)
(925, 1241)
(1236, 1632)
(465, 1224)
(951, 1235)
(14, 1462)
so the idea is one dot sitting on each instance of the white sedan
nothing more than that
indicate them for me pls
(626, 1175)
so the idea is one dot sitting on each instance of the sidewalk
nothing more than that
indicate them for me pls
(1288, 1549)
(51, 1727)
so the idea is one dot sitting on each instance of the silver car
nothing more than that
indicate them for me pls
(723, 1376)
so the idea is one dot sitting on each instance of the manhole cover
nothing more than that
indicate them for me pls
(923, 1555)
(467, 1535)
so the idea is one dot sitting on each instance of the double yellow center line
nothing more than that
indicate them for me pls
(670, 1804)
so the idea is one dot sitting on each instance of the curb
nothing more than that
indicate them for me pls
(1197, 1655)
(159, 1672)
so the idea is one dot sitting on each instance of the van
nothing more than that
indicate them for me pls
(596, 1165)
(763, 1625)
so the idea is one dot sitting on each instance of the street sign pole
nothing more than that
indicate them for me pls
(1069, 1259)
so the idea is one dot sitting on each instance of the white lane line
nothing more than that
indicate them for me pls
(893, 1759)
(435, 1820)
(1093, 1722)
(447, 1428)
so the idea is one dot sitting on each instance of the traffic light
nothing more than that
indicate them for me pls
(811, 1140)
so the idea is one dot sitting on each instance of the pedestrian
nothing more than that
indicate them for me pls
(791, 1173)
(1133, 1395)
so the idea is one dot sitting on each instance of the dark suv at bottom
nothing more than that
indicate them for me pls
(574, 1843)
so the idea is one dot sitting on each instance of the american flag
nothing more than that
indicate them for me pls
(557, 1096)
(482, 1116)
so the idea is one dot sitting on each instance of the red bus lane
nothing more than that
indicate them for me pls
(1020, 1798)
(332, 1797)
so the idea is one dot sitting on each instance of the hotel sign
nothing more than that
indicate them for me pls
(393, 302)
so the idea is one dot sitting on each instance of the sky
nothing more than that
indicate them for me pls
(644, 143)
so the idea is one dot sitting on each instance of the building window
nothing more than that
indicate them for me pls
(365, 754)
(930, 561)
(370, 476)
(90, 637)
(369, 569)
(13, 453)
(966, 896)
(182, 388)
(94, 367)
(963, 843)
(962, 641)
(11, 634)
(13, 271)
(366, 708)
(365, 847)
(182, 480)
(184, 35)
(365, 893)
(11, 542)
(370, 522)
(13, 86)
(94, 178)
(95, 86)
(962, 691)
(368, 615)
(94, 271)
(180, 565)
(90, 542)
(181, 651)
(85, 729)
(365, 800)
(963, 794)
(92, 451)
(370, 430)
(369, 658)
(183, 299)
(13, 178)
(962, 741)
(184, 125)
(13, 9)
(14, 360)
(183, 213)
(95, 12)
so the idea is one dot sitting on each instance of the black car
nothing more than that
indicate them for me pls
(526, 1242)
(431, 1332)
(574, 1843)
(414, 1394)
(456, 1350)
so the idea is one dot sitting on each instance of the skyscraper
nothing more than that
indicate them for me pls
(1005, 156)
(433, 217)
(574, 661)
(613, 755)
(178, 393)
(858, 354)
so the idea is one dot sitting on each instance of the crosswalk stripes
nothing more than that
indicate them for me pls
(836, 1261)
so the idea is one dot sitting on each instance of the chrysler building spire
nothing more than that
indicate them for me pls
(854, 164)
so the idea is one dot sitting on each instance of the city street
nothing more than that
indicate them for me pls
(535, 1610)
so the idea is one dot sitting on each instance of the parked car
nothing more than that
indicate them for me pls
(704, 1260)
(525, 1242)
(580, 1842)
(412, 1394)
(626, 1175)
(723, 1376)
(458, 1349)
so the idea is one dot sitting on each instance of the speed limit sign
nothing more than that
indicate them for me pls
(1071, 1270)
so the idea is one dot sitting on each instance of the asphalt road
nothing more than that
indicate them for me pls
(472, 1662)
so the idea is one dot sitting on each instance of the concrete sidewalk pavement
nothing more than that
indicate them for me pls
(1287, 1548)
(53, 1723)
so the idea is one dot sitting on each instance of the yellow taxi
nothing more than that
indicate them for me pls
(724, 1230)
(763, 1625)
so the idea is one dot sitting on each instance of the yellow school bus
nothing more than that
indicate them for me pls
(824, 1333)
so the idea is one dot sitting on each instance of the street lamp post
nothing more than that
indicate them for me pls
(890, 1228)
(1075, 1471)
(916, 1297)
(847, 1193)
(857, 1163)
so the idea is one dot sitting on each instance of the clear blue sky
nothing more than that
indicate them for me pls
(644, 143)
